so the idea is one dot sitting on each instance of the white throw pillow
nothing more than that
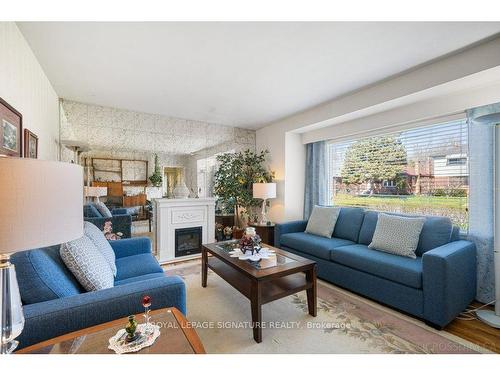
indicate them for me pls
(102, 244)
(397, 235)
(322, 221)
(87, 264)
(103, 209)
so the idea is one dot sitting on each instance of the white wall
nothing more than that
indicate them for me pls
(467, 79)
(23, 85)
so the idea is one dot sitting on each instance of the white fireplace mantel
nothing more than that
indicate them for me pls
(172, 214)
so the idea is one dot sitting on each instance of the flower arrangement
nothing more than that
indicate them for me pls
(250, 241)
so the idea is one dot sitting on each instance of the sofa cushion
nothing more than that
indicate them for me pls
(102, 244)
(437, 231)
(87, 264)
(89, 210)
(136, 265)
(311, 244)
(402, 270)
(397, 235)
(103, 210)
(348, 223)
(322, 221)
(148, 276)
(42, 276)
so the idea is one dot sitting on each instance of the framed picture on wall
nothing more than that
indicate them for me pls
(11, 130)
(30, 145)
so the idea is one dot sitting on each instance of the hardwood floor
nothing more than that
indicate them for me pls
(476, 332)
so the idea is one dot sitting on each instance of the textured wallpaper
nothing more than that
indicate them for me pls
(118, 133)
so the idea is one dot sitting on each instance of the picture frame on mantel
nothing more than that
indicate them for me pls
(11, 130)
(30, 144)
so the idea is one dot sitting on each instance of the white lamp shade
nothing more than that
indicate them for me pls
(264, 190)
(95, 191)
(40, 203)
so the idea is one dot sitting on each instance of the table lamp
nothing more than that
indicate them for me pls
(95, 192)
(264, 191)
(41, 206)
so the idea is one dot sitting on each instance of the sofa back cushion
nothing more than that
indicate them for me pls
(102, 244)
(349, 223)
(89, 210)
(437, 231)
(103, 209)
(42, 276)
(322, 221)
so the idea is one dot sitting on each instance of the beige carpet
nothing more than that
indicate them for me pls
(346, 323)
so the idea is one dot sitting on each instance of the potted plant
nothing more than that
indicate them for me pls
(234, 180)
(156, 178)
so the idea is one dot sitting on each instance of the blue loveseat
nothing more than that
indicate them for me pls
(121, 220)
(54, 303)
(435, 287)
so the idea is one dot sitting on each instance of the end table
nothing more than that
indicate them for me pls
(266, 232)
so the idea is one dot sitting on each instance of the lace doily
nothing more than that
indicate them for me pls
(148, 336)
(264, 253)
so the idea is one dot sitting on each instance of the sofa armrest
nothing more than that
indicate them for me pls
(119, 211)
(131, 246)
(120, 223)
(288, 227)
(49, 319)
(449, 281)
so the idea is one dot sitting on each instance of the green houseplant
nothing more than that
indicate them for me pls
(156, 178)
(234, 180)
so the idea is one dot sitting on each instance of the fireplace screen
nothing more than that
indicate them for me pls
(187, 241)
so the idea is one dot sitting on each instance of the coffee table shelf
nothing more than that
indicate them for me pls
(271, 290)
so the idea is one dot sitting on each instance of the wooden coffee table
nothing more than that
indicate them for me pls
(262, 282)
(176, 337)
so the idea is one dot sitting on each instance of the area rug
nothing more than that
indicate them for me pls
(345, 323)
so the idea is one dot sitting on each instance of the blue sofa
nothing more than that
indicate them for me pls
(121, 220)
(54, 303)
(435, 287)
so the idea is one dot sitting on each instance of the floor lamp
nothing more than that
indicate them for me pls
(492, 318)
(41, 205)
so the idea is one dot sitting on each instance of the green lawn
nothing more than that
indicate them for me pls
(453, 207)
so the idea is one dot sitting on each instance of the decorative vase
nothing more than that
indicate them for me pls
(181, 191)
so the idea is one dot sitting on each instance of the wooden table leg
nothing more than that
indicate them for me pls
(256, 311)
(312, 292)
(204, 266)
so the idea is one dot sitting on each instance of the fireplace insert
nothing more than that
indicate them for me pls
(187, 241)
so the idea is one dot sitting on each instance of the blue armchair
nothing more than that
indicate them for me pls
(121, 221)
(55, 304)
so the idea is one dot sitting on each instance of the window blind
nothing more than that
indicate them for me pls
(423, 170)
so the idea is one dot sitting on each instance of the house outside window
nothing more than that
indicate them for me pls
(423, 171)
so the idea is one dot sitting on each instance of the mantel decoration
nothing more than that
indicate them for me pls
(135, 337)
(233, 184)
(156, 178)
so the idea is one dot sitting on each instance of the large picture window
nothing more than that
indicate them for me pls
(421, 171)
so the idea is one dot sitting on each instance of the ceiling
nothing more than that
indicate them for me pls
(237, 74)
